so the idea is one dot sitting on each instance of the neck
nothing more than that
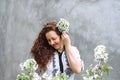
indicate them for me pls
(61, 49)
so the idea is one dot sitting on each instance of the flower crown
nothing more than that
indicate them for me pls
(63, 25)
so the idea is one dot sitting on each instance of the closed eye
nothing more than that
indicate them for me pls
(51, 39)
(54, 38)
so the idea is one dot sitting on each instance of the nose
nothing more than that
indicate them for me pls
(51, 42)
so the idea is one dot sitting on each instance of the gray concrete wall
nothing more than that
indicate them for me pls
(93, 22)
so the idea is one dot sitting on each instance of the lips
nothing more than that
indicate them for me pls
(54, 45)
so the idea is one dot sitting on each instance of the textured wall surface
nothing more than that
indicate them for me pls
(93, 22)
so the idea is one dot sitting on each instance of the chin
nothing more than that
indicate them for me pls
(56, 48)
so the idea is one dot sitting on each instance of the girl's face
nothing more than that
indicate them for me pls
(54, 40)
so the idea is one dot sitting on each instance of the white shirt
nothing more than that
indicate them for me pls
(53, 66)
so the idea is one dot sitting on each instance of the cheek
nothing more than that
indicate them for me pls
(58, 41)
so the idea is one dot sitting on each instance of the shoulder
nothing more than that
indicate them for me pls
(75, 48)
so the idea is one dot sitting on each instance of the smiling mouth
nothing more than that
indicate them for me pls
(54, 45)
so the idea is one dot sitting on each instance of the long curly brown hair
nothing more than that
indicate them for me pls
(41, 50)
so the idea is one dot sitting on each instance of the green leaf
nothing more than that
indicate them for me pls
(85, 75)
(106, 68)
(23, 76)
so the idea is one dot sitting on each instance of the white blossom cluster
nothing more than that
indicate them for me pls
(100, 54)
(45, 76)
(63, 25)
(97, 72)
(58, 76)
(29, 67)
(29, 64)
